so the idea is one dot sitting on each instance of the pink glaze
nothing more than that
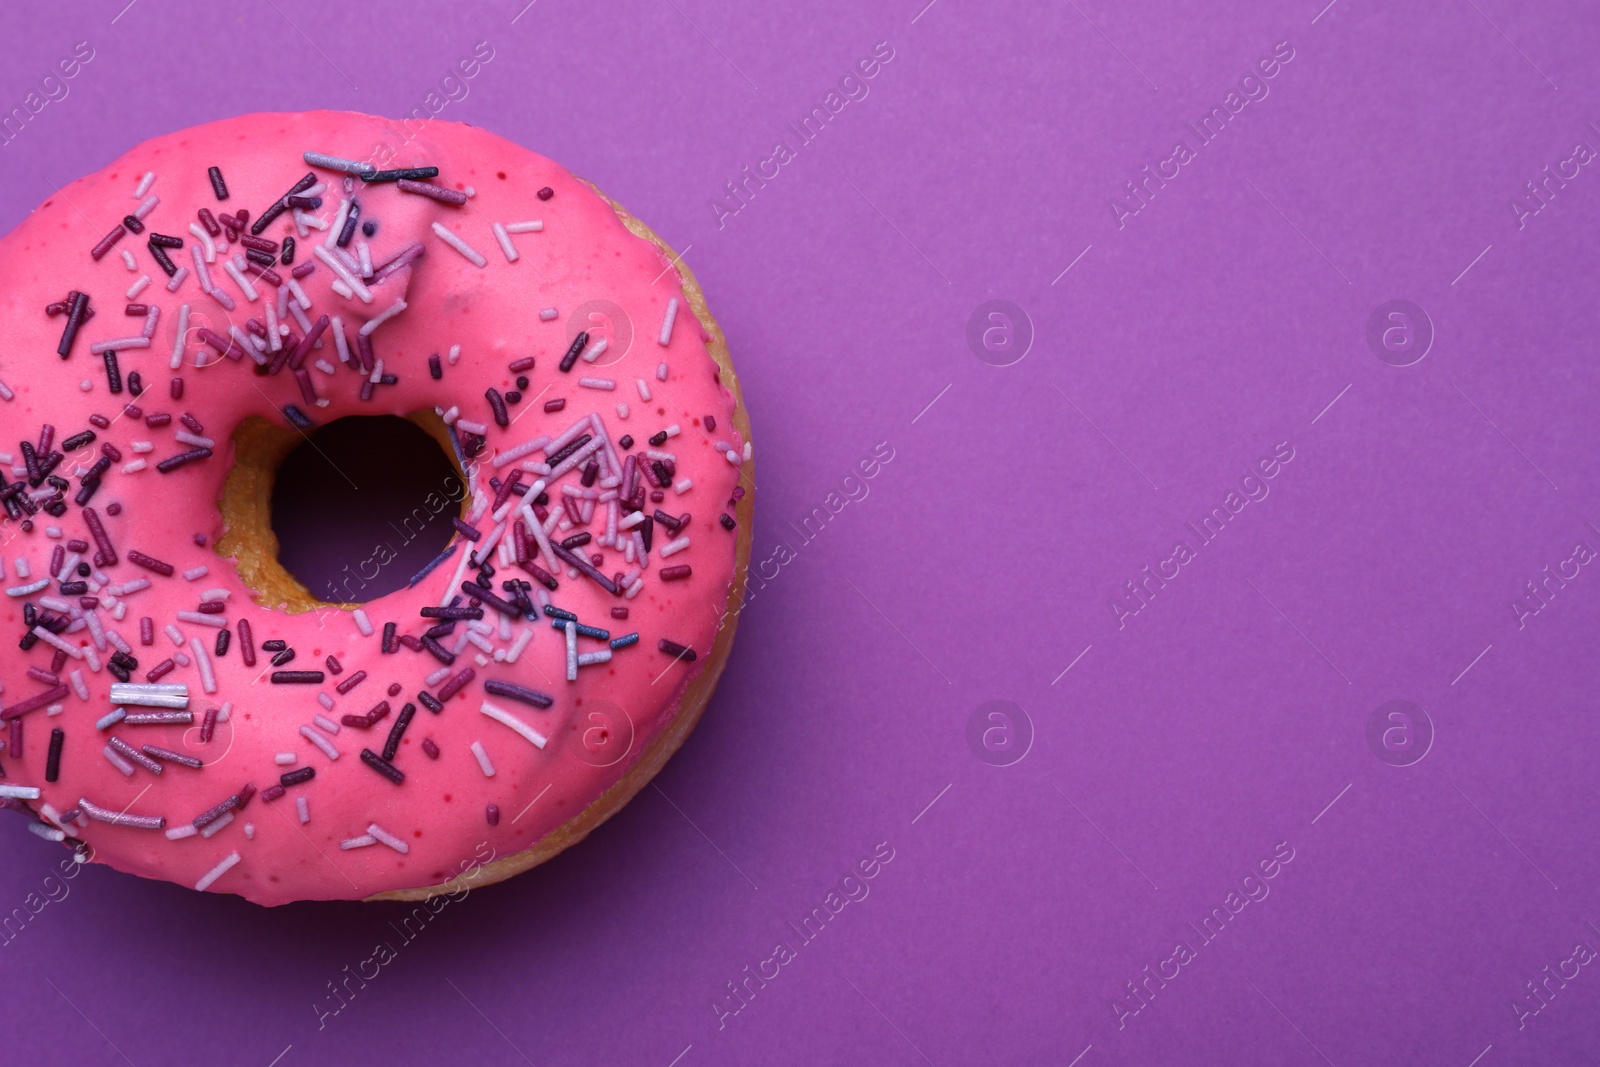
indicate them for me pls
(599, 724)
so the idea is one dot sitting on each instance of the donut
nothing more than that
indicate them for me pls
(175, 703)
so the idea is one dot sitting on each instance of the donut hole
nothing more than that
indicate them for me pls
(361, 505)
(342, 516)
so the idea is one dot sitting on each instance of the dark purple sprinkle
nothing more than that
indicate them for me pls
(438, 651)
(224, 640)
(427, 700)
(711, 423)
(587, 569)
(288, 252)
(492, 814)
(658, 439)
(619, 612)
(52, 763)
(728, 522)
(411, 642)
(208, 725)
(135, 383)
(540, 575)
(435, 368)
(676, 574)
(568, 449)
(132, 223)
(305, 203)
(369, 227)
(150, 563)
(408, 173)
(274, 645)
(513, 397)
(382, 766)
(304, 269)
(77, 306)
(478, 592)
(157, 419)
(394, 689)
(676, 651)
(294, 777)
(247, 648)
(284, 657)
(218, 186)
(259, 258)
(349, 683)
(573, 351)
(350, 220)
(470, 532)
(398, 731)
(209, 221)
(159, 254)
(520, 365)
(260, 244)
(625, 442)
(390, 646)
(333, 665)
(452, 612)
(113, 372)
(147, 630)
(99, 421)
(245, 794)
(296, 677)
(522, 381)
(498, 688)
(431, 749)
(553, 406)
(497, 405)
(162, 240)
(577, 540)
(172, 463)
(272, 792)
(280, 205)
(211, 815)
(546, 193)
(133, 755)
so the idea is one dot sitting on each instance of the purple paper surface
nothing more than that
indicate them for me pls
(1076, 763)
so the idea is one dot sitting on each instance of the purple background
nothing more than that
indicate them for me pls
(1227, 716)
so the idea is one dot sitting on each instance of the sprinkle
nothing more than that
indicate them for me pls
(20, 792)
(353, 283)
(473, 255)
(624, 641)
(483, 759)
(572, 651)
(110, 719)
(171, 757)
(302, 808)
(572, 352)
(218, 871)
(548, 313)
(644, 389)
(338, 163)
(349, 683)
(172, 463)
(382, 766)
(524, 227)
(397, 732)
(676, 651)
(358, 842)
(597, 383)
(382, 317)
(159, 718)
(118, 818)
(218, 186)
(433, 192)
(667, 321)
(297, 776)
(533, 697)
(506, 246)
(362, 622)
(430, 748)
(588, 659)
(388, 839)
(296, 677)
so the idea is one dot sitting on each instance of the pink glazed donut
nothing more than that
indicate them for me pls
(176, 324)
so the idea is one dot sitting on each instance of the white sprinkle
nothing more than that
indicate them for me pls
(174, 634)
(597, 383)
(351, 282)
(589, 658)
(134, 466)
(505, 243)
(455, 354)
(240, 280)
(548, 313)
(362, 622)
(5, 392)
(364, 259)
(504, 717)
(519, 644)
(524, 227)
(302, 808)
(483, 759)
(145, 208)
(572, 651)
(19, 792)
(472, 426)
(105, 722)
(382, 317)
(79, 686)
(207, 245)
(177, 279)
(596, 350)
(212, 829)
(284, 759)
(144, 184)
(128, 260)
(223, 868)
(683, 486)
(644, 390)
(672, 548)
(387, 838)
(358, 842)
(326, 723)
(661, 372)
(667, 321)
(120, 344)
(116, 760)
(195, 573)
(55, 642)
(250, 831)
(178, 833)
(321, 742)
(28, 590)
(473, 255)
(339, 163)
